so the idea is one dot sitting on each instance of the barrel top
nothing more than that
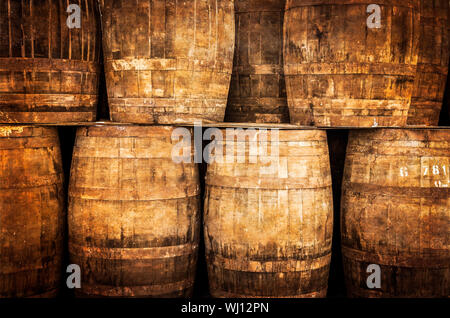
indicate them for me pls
(230, 134)
(402, 134)
(15, 131)
(118, 131)
(290, 4)
(242, 6)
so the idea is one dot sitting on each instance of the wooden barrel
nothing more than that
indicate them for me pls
(31, 212)
(258, 90)
(432, 68)
(268, 227)
(48, 72)
(395, 212)
(168, 61)
(133, 213)
(342, 71)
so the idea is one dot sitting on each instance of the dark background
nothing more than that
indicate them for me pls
(337, 140)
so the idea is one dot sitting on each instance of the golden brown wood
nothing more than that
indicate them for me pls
(395, 212)
(258, 89)
(168, 61)
(48, 72)
(339, 72)
(268, 233)
(432, 68)
(31, 212)
(133, 213)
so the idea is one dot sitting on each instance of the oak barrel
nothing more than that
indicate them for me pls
(31, 212)
(432, 68)
(168, 61)
(395, 212)
(343, 71)
(133, 213)
(268, 223)
(48, 72)
(258, 89)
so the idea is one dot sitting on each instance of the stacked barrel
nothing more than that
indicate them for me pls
(134, 213)
(284, 73)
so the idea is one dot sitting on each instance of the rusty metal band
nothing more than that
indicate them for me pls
(396, 260)
(270, 183)
(47, 65)
(382, 190)
(136, 291)
(113, 194)
(175, 64)
(292, 4)
(224, 294)
(369, 69)
(148, 253)
(283, 266)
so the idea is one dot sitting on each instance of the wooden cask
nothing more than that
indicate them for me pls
(341, 72)
(432, 68)
(31, 212)
(48, 72)
(258, 89)
(168, 61)
(133, 213)
(268, 231)
(395, 212)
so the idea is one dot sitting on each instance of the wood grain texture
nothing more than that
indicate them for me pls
(432, 68)
(268, 234)
(133, 213)
(258, 89)
(48, 72)
(395, 212)
(31, 212)
(168, 61)
(341, 73)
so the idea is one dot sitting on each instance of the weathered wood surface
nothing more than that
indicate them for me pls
(31, 212)
(395, 212)
(48, 72)
(168, 61)
(432, 68)
(258, 89)
(268, 233)
(339, 72)
(133, 213)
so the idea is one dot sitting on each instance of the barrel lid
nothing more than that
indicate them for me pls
(11, 131)
(408, 134)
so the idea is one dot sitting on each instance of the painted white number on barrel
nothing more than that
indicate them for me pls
(74, 19)
(374, 19)
(436, 170)
(404, 172)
